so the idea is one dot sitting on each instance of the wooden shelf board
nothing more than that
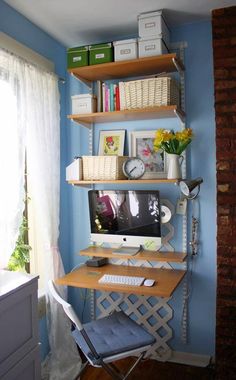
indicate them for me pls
(166, 280)
(177, 257)
(124, 181)
(127, 115)
(126, 69)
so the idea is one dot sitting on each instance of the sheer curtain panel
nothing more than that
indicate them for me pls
(37, 131)
(12, 153)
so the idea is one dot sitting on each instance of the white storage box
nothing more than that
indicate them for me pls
(84, 103)
(151, 47)
(126, 49)
(153, 24)
(75, 170)
(103, 168)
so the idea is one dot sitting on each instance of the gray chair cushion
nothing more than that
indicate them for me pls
(113, 335)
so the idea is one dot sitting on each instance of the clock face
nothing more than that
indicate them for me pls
(134, 168)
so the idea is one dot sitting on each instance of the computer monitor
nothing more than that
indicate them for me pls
(131, 218)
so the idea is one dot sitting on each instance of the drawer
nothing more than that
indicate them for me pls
(18, 325)
(27, 368)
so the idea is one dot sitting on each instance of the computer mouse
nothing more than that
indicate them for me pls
(149, 282)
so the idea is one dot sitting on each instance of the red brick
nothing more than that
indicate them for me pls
(233, 40)
(223, 143)
(218, 12)
(221, 42)
(223, 155)
(226, 250)
(225, 84)
(223, 165)
(224, 51)
(226, 132)
(225, 177)
(225, 63)
(223, 210)
(225, 96)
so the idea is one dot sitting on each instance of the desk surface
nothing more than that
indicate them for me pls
(166, 280)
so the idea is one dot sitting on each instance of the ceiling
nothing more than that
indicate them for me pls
(78, 22)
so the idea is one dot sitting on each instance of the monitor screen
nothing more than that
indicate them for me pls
(129, 217)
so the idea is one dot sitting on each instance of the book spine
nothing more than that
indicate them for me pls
(106, 99)
(122, 96)
(114, 97)
(99, 96)
(117, 98)
(103, 97)
(111, 88)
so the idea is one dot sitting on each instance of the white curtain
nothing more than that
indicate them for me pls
(12, 153)
(39, 132)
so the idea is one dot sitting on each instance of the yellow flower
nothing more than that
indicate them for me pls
(172, 142)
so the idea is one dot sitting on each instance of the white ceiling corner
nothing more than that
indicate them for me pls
(78, 22)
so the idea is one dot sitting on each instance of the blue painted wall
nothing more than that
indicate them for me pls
(201, 162)
(74, 225)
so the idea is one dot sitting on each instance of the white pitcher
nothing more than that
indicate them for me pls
(174, 166)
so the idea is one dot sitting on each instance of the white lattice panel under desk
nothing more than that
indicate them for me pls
(153, 313)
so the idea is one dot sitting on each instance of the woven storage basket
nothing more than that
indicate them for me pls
(151, 92)
(103, 168)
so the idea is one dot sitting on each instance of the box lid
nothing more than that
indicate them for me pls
(107, 45)
(151, 38)
(77, 49)
(83, 96)
(122, 42)
(149, 14)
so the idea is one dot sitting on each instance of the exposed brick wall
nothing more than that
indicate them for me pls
(224, 50)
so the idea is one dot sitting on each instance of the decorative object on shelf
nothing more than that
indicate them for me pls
(77, 57)
(111, 143)
(100, 53)
(187, 186)
(165, 214)
(142, 146)
(103, 168)
(150, 92)
(174, 166)
(83, 104)
(173, 143)
(74, 171)
(133, 168)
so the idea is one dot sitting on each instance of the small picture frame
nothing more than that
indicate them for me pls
(111, 143)
(141, 145)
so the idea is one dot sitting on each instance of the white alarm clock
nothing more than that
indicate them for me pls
(133, 168)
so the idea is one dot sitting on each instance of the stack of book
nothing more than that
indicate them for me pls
(110, 97)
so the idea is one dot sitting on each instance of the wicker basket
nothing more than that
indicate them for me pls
(103, 168)
(151, 92)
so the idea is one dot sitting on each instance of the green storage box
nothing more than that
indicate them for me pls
(77, 57)
(101, 53)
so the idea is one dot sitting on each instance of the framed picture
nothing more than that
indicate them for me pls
(111, 143)
(141, 145)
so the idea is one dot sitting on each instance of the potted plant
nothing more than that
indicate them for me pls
(173, 143)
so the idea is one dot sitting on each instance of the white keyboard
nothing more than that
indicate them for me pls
(121, 280)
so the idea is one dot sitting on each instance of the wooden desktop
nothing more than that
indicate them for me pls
(166, 280)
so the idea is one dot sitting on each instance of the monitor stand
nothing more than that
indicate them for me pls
(126, 250)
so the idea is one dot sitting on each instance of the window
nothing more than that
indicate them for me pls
(10, 96)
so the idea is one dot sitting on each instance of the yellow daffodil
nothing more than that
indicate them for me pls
(172, 142)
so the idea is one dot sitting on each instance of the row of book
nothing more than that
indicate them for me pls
(110, 97)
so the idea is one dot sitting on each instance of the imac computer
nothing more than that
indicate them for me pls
(131, 218)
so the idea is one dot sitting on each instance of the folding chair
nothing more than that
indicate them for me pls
(107, 339)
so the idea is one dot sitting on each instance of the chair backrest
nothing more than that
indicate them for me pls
(66, 306)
